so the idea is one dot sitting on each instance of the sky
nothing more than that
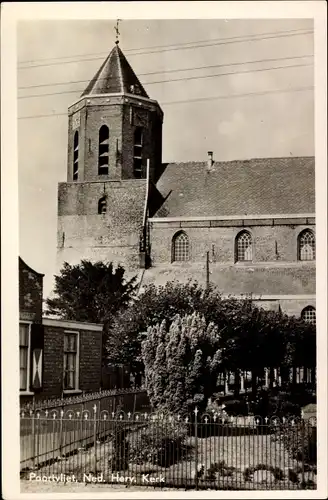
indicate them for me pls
(256, 112)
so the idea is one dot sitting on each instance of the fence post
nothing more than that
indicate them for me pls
(242, 382)
(196, 448)
(81, 426)
(33, 437)
(61, 433)
(134, 403)
(302, 446)
(95, 436)
(37, 434)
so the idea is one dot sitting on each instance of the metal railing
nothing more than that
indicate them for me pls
(161, 450)
(113, 400)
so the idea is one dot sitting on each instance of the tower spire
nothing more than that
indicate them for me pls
(116, 28)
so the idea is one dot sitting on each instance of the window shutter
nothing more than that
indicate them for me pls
(37, 344)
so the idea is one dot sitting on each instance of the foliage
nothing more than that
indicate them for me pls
(276, 471)
(120, 458)
(236, 407)
(181, 363)
(300, 440)
(219, 468)
(250, 338)
(128, 328)
(213, 408)
(281, 404)
(91, 292)
(162, 443)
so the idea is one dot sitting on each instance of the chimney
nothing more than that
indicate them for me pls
(210, 159)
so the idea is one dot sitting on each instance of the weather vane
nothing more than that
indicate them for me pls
(117, 31)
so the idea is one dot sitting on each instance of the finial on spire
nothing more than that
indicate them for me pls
(117, 30)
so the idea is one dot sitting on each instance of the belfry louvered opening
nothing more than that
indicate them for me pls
(103, 151)
(137, 152)
(76, 156)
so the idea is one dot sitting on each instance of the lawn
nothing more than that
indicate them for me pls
(238, 453)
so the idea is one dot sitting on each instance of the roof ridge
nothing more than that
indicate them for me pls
(239, 160)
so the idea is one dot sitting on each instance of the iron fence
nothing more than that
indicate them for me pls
(161, 450)
(113, 400)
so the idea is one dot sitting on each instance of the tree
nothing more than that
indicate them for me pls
(182, 363)
(92, 292)
(155, 304)
(251, 338)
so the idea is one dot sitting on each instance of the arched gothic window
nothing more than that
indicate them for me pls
(76, 156)
(309, 314)
(244, 247)
(137, 152)
(102, 205)
(306, 245)
(103, 151)
(180, 247)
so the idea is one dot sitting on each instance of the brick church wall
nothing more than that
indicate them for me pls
(270, 243)
(114, 236)
(274, 271)
(120, 115)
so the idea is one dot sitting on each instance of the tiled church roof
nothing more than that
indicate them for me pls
(243, 187)
(259, 278)
(115, 76)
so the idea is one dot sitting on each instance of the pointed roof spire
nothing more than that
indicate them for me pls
(115, 76)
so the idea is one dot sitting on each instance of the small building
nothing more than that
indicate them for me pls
(57, 358)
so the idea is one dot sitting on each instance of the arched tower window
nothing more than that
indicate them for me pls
(103, 151)
(76, 156)
(137, 152)
(309, 314)
(244, 247)
(102, 205)
(180, 247)
(306, 245)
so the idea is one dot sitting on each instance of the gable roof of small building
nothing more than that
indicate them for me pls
(242, 187)
(115, 76)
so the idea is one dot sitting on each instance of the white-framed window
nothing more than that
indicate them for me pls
(180, 247)
(24, 355)
(71, 361)
(306, 245)
(244, 247)
(309, 314)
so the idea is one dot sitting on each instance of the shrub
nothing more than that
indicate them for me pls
(181, 363)
(121, 446)
(161, 443)
(300, 440)
(292, 476)
(236, 407)
(214, 409)
(276, 471)
(280, 404)
(221, 469)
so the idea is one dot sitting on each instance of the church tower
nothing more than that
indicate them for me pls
(114, 156)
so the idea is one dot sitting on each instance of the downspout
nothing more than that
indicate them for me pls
(144, 220)
(146, 197)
